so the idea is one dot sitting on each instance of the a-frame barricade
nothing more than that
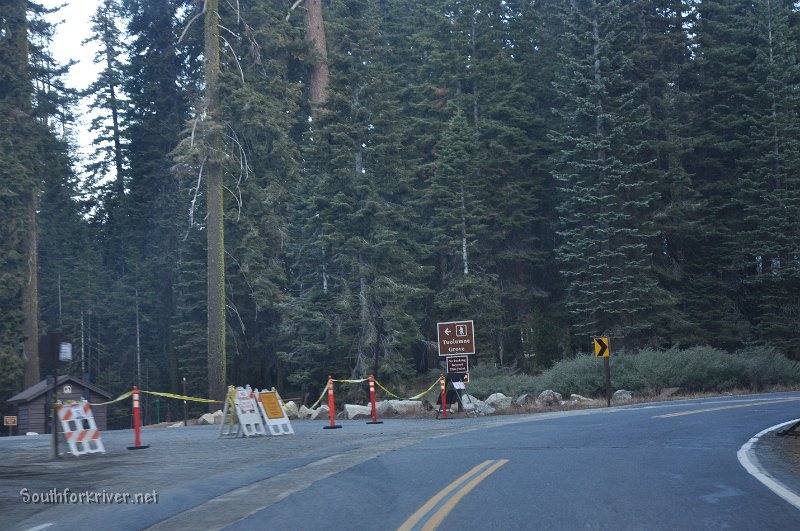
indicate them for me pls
(273, 414)
(230, 424)
(80, 429)
(241, 416)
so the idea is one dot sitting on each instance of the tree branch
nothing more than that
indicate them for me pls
(289, 14)
(189, 25)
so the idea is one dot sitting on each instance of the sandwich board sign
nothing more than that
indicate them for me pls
(456, 337)
(273, 414)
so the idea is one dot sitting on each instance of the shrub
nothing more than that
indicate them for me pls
(764, 367)
(697, 370)
(487, 379)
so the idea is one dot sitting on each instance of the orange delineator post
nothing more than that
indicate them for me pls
(443, 386)
(372, 401)
(331, 407)
(137, 422)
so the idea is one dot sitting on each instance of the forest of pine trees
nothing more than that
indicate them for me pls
(279, 191)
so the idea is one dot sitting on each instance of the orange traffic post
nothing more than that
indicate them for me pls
(137, 422)
(443, 386)
(372, 401)
(331, 407)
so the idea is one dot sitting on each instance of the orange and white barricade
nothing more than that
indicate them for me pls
(80, 429)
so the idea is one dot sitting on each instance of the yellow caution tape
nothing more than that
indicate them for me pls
(386, 390)
(325, 390)
(231, 403)
(181, 397)
(426, 391)
(123, 396)
(415, 397)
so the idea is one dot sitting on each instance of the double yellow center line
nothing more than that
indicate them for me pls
(470, 480)
(721, 408)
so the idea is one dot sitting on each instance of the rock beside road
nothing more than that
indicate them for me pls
(622, 396)
(479, 406)
(550, 398)
(499, 401)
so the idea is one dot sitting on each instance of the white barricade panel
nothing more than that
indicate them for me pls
(273, 414)
(248, 413)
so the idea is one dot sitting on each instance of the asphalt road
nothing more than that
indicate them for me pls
(659, 466)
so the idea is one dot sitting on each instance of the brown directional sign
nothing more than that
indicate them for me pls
(457, 364)
(456, 337)
(9, 421)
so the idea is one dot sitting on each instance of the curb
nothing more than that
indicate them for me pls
(749, 460)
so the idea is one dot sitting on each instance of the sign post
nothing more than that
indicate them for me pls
(10, 421)
(602, 350)
(456, 340)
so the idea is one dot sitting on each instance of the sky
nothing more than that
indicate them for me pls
(67, 46)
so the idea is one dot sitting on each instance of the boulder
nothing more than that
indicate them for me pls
(206, 419)
(354, 411)
(525, 399)
(577, 399)
(322, 412)
(549, 398)
(499, 401)
(479, 406)
(218, 416)
(176, 425)
(384, 409)
(304, 413)
(406, 407)
(622, 395)
(291, 409)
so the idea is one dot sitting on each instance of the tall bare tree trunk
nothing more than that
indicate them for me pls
(30, 298)
(318, 77)
(215, 224)
(30, 289)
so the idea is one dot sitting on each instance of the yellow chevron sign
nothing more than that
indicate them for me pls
(601, 348)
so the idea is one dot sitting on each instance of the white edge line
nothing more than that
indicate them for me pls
(750, 462)
(38, 527)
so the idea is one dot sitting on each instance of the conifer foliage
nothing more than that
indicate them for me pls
(276, 196)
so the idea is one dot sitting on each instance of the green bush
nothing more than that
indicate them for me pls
(647, 372)
(764, 367)
(582, 375)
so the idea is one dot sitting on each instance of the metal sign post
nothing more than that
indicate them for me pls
(602, 350)
(10, 421)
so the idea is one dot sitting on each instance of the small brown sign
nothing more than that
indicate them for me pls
(456, 337)
(9, 421)
(457, 364)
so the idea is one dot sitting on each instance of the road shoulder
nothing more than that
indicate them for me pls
(775, 461)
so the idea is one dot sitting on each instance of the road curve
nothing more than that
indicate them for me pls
(671, 466)
(654, 466)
